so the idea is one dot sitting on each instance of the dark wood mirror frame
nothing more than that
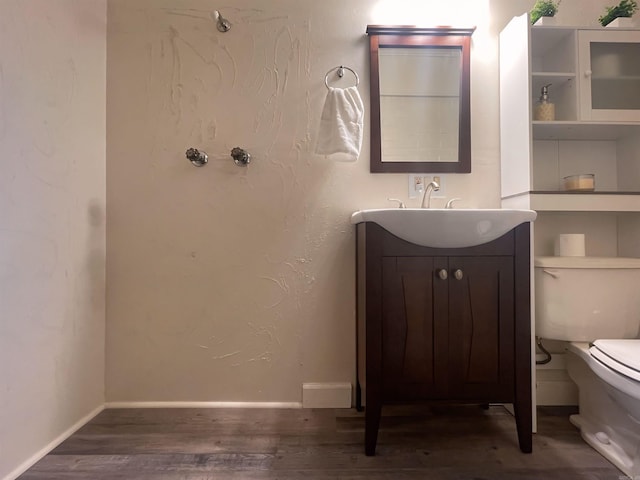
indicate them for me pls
(383, 36)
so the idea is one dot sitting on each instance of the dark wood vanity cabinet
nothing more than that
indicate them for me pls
(447, 337)
(443, 325)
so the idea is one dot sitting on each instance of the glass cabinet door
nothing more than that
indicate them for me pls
(609, 75)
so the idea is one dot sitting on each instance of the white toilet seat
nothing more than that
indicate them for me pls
(622, 356)
(617, 380)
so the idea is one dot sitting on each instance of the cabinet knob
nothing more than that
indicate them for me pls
(442, 273)
(458, 274)
(587, 73)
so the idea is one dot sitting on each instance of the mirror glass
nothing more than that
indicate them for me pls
(419, 104)
(420, 99)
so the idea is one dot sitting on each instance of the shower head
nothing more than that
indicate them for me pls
(223, 24)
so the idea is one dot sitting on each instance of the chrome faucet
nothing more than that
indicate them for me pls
(431, 186)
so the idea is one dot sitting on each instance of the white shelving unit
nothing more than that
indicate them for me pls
(531, 57)
(595, 85)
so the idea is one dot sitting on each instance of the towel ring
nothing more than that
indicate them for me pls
(340, 70)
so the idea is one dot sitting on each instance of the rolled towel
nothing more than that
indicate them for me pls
(341, 124)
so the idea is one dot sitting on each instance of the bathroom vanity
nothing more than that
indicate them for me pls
(445, 325)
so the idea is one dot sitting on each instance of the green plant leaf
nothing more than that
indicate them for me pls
(626, 8)
(544, 8)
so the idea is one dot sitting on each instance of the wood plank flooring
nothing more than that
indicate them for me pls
(444, 443)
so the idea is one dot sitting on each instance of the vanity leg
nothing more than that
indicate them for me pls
(372, 423)
(524, 425)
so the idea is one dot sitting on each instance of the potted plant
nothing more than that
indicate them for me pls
(625, 9)
(544, 8)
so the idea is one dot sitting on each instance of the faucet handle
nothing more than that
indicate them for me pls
(400, 202)
(450, 202)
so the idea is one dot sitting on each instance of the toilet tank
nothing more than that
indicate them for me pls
(587, 298)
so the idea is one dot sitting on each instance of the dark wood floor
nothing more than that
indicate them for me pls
(453, 443)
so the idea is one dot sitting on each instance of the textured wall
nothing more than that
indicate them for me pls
(52, 220)
(229, 284)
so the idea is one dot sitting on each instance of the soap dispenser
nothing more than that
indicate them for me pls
(544, 109)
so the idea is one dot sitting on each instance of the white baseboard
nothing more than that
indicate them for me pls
(31, 461)
(326, 395)
(203, 405)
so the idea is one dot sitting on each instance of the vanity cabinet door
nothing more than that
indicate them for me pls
(481, 328)
(414, 327)
(447, 328)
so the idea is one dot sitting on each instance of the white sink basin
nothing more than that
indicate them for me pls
(445, 228)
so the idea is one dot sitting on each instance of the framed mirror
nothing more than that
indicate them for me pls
(420, 100)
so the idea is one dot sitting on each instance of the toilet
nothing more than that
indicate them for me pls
(594, 303)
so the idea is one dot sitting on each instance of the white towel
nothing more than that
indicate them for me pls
(341, 124)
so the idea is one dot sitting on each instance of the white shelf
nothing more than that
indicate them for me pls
(551, 77)
(574, 130)
(616, 78)
(559, 81)
(575, 202)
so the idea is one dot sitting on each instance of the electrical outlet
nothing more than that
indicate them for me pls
(416, 185)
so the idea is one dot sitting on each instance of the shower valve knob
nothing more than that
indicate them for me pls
(240, 157)
(197, 157)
